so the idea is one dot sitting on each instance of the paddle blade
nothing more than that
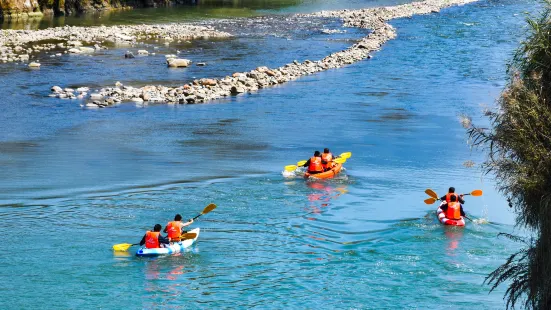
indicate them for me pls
(209, 208)
(122, 246)
(301, 163)
(188, 236)
(340, 160)
(430, 201)
(477, 192)
(346, 155)
(290, 168)
(431, 193)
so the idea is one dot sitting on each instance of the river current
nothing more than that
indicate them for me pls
(75, 181)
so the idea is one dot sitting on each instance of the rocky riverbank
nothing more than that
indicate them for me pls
(204, 90)
(19, 45)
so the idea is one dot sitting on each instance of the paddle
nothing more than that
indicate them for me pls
(430, 201)
(123, 246)
(207, 209)
(341, 160)
(291, 168)
(431, 193)
(301, 163)
(345, 155)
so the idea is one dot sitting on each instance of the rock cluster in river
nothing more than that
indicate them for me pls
(204, 90)
(18, 45)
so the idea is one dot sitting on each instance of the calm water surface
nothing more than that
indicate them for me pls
(74, 182)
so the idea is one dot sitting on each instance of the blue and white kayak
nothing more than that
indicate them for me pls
(175, 247)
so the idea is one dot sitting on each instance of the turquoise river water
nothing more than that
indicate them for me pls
(74, 182)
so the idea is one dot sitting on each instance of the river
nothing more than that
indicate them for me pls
(76, 181)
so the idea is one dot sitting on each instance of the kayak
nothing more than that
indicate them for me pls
(325, 175)
(446, 221)
(175, 247)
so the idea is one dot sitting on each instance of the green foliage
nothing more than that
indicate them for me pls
(519, 147)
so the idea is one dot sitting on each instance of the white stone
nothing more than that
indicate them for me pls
(74, 43)
(34, 65)
(86, 49)
(75, 51)
(178, 62)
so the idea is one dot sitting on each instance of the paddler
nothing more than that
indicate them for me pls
(328, 158)
(453, 209)
(154, 239)
(451, 193)
(315, 163)
(174, 228)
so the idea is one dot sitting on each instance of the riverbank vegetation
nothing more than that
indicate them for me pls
(519, 155)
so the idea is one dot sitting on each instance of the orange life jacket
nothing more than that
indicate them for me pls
(448, 196)
(315, 164)
(328, 157)
(152, 239)
(454, 211)
(173, 229)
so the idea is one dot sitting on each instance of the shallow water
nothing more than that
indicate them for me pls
(74, 182)
(215, 9)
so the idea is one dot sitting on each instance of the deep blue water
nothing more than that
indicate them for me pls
(74, 181)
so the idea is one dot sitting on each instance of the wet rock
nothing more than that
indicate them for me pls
(201, 64)
(143, 52)
(237, 90)
(178, 62)
(129, 55)
(34, 65)
(56, 89)
(75, 51)
(209, 82)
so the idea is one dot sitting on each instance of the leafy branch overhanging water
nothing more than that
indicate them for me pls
(519, 154)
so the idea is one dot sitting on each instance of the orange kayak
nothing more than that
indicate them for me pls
(325, 175)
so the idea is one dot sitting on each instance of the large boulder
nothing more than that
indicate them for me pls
(178, 62)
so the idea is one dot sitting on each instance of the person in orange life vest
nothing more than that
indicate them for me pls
(174, 228)
(451, 192)
(328, 158)
(453, 209)
(153, 239)
(315, 163)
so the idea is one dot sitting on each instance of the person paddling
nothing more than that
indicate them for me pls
(328, 158)
(154, 239)
(315, 163)
(453, 209)
(451, 193)
(174, 228)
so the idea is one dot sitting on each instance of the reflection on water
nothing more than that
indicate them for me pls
(454, 236)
